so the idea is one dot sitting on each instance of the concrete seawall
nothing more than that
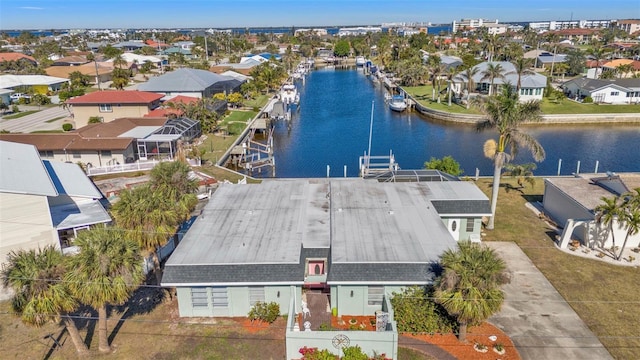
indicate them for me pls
(553, 119)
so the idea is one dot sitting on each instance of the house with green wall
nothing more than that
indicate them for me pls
(349, 242)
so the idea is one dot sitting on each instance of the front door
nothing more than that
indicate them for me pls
(142, 152)
(454, 228)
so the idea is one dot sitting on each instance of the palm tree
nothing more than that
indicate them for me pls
(172, 179)
(522, 172)
(506, 113)
(106, 271)
(40, 294)
(493, 71)
(150, 218)
(468, 74)
(607, 214)
(469, 286)
(522, 66)
(631, 221)
(436, 68)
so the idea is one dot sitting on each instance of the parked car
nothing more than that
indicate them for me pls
(18, 96)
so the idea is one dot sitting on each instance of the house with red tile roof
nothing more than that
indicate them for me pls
(110, 105)
(14, 56)
(168, 111)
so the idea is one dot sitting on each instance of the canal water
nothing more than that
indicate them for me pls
(332, 128)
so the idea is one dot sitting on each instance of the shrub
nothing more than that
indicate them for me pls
(94, 120)
(588, 100)
(67, 127)
(267, 312)
(416, 312)
(256, 109)
(15, 109)
(447, 164)
(354, 353)
(315, 354)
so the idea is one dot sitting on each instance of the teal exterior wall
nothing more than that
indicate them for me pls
(237, 299)
(464, 234)
(358, 304)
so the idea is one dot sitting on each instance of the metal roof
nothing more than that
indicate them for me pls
(69, 179)
(140, 132)
(509, 73)
(186, 80)
(22, 171)
(77, 214)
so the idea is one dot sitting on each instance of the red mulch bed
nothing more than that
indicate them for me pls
(350, 322)
(476, 334)
(255, 326)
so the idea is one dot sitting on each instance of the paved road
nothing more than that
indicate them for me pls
(539, 321)
(36, 121)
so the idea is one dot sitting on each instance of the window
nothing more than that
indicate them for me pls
(256, 293)
(105, 108)
(219, 297)
(46, 154)
(199, 298)
(375, 295)
(471, 225)
(538, 91)
(76, 155)
(615, 93)
(106, 153)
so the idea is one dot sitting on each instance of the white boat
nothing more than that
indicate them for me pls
(360, 60)
(289, 94)
(398, 103)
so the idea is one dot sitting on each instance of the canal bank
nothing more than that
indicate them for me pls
(548, 119)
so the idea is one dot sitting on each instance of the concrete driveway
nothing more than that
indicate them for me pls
(539, 321)
(36, 121)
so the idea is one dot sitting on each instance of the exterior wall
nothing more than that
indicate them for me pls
(383, 342)
(358, 303)
(559, 207)
(238, 301)
(610, 96)
(92, 157)
(25, 223)
(527, 94)
(462, 225)
(82, 113)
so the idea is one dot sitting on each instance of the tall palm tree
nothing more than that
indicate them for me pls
(150, 219)
(173, 180)
(436, 68)
(468, 74)
(631, 221)
(505, 113)
(40, 294)
(491, 73)
(106, 271)
(607, 214)
(523, 67)
(469, 286)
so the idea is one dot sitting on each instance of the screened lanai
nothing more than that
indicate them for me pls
(164, 141)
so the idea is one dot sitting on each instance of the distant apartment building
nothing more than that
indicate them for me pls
(630, 26)
(569, 24)
(317, 32)
(470, 24)
(360, 30)
(496, 29)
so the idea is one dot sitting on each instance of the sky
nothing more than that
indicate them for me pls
(65, 14)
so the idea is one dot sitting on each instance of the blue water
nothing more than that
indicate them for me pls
(332, 128)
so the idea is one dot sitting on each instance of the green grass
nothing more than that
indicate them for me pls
(238, 116)
(20, 114)
(423, 95)
(259, 101)
(47, 131)
(55, 119)
(605, 296)
(567, 106)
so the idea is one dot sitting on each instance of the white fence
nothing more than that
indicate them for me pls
(137, 166)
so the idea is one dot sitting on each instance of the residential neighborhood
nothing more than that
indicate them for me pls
(179, 187)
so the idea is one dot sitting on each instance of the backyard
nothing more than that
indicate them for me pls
(423, 94)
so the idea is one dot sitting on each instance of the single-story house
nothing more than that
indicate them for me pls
(17, 57)
(141, 59)
(130, 45)
(613, 91)
(243, 68)
(191, 82)
(532, 85)
(547, 60)
(112, 104)
(571, 203)
(121, 141)
(73, 60)
(345, 244)
(40, 84)
(43, 202)
(104, 71)
(614, 65)
(5, 96)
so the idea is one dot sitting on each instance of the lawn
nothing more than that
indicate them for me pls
(259, 101)
(20, 114)
(565, 106)
(605, 296)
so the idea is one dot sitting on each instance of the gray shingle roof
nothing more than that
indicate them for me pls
(510, 76)
(187, 80)
(411, 273)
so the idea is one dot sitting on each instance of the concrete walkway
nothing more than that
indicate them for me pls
(539, 321)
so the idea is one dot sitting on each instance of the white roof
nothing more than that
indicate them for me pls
(76, 214)
(235, 75)
(22, 171)
(131, 57)
(69, 179)
(11, 81)
(140, 132)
